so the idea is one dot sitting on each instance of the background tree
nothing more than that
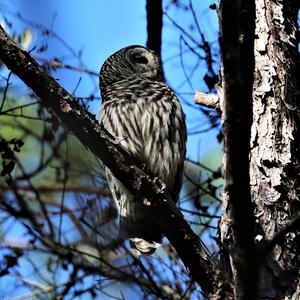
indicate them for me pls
(59, 199)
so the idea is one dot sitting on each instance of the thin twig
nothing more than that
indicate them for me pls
(58, 64)
(5, 91)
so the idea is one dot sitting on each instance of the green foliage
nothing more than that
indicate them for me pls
(46, 143)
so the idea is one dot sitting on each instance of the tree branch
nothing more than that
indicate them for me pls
(204, 269)
(237, 45)
(280, 236)
(154, 25)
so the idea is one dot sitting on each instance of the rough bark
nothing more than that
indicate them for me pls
(203, 268)
(275, 142)
(275, 149)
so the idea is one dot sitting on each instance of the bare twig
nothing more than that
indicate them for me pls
(58, 64)
(5, 91)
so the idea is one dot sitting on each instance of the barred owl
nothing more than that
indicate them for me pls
(145, 116)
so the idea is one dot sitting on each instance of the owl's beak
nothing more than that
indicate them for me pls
(154, 71)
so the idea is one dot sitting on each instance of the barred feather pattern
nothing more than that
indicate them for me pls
(146, 118)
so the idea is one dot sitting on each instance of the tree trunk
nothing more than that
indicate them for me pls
(275, 149)
(275, 142)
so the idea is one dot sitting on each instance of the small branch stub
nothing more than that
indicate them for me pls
(207, 100)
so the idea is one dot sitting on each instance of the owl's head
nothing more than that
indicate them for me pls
(130, 61)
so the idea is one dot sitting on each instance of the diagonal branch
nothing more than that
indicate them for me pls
(203, 268)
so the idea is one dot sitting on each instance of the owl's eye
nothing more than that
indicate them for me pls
(140, 59)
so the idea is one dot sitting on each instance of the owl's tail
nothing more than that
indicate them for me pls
(143, 247)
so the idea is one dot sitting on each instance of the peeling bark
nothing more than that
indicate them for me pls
(275, 142)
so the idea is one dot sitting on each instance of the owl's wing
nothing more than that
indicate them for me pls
(147, 120)
(164, 137)
(119, 117)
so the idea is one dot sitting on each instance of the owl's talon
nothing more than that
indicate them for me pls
(118, 140)
(161, 185)
(146, 202)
